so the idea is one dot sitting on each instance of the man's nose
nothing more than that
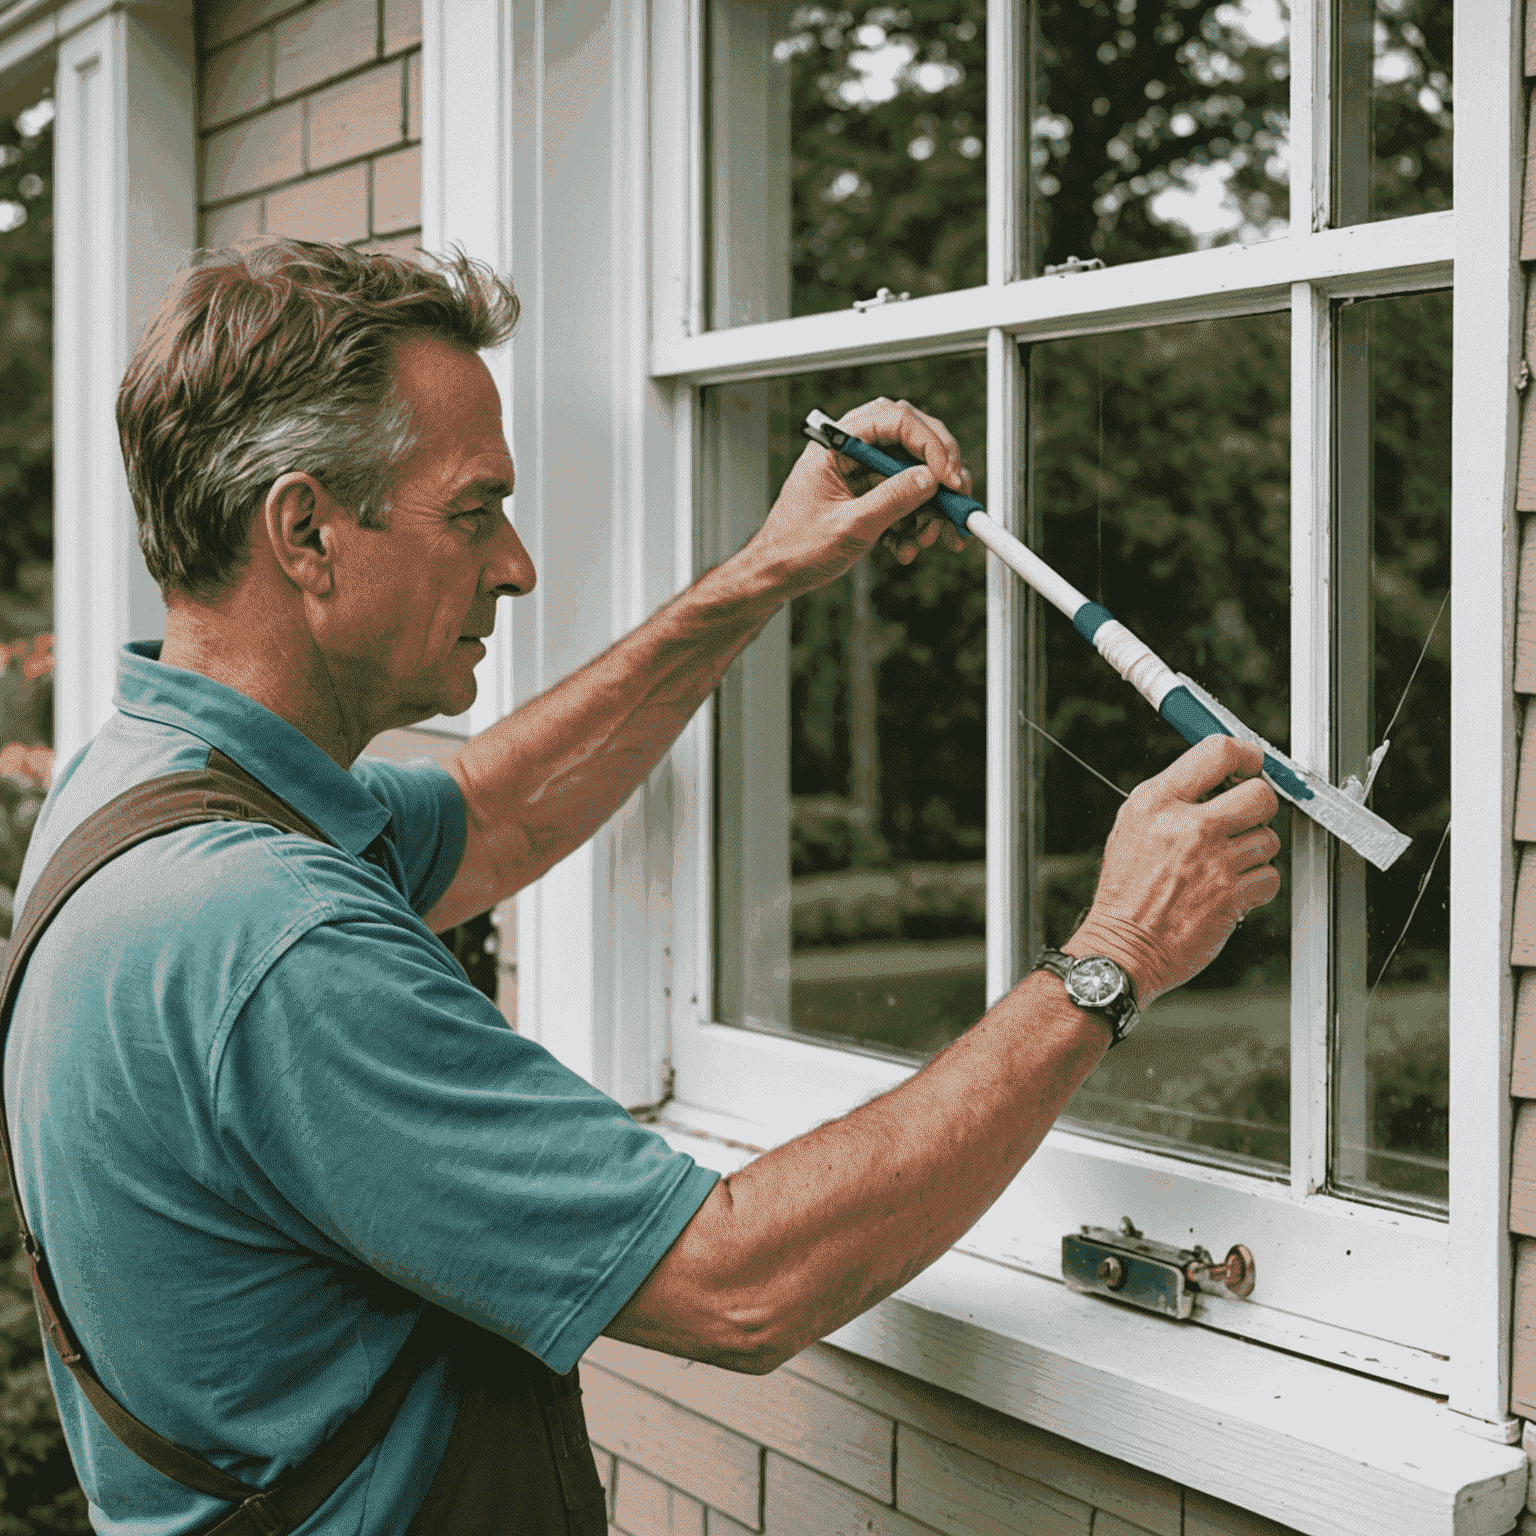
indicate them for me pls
(510, 572)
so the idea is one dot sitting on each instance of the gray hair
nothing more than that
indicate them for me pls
(274, 356)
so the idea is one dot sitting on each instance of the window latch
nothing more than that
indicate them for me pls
(1075, 264)
(1157, 1277)
(882, 296)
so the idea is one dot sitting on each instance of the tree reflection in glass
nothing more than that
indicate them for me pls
(851, 751)
(1161, 487)
(1392, 109)
(1157, 129)
(847, 154)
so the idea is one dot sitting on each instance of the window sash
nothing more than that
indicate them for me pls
(794, 1084)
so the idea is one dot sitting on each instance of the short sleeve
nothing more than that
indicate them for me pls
(428, 814)
(371, 1101)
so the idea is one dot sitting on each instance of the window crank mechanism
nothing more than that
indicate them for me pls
(1154, 1276)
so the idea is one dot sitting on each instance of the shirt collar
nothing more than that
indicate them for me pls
(280, 755)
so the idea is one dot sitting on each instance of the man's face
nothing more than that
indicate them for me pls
(416, 599)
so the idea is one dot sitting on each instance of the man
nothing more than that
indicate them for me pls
(260, 1116)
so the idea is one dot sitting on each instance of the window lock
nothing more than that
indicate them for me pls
(1157, 1277)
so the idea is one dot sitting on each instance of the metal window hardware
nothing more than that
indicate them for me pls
(1154, 1276)
(1075, 264)
(882, 296)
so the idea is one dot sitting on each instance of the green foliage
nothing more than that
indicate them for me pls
(26, 348)
(1131, 101)
(38, 1492)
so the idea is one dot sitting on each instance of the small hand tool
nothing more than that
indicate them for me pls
(1192, 712)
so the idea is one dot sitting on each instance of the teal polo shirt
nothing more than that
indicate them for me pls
(259, 1112)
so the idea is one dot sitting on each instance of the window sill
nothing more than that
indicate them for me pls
(1322, 1450)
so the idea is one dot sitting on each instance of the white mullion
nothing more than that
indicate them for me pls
(674, 171)
(698, 148)
(1311, 563)
(1311, 114)
(1386, 257)
(1006, 59)
(693, 863)
(1006, 607)
(1489, 167)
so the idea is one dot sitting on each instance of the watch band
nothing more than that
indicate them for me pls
(1118, 1010)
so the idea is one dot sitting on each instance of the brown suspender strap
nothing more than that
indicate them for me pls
(223, 792)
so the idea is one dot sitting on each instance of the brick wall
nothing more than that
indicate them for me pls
(309, 118)
(831, 1445)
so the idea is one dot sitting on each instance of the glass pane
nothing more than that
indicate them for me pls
(846, 154)
(851, 757)
(1392, 582)
(1161, 488)
(1158, 128)
(1392, 137)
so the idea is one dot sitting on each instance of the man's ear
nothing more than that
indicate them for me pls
(299, 519)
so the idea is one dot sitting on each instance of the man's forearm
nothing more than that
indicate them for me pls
(818, 1230)
(539, 783)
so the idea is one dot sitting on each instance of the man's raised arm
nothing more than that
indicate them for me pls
(539, 783)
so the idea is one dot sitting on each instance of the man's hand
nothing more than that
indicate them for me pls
(1179, 875)
(821, 523)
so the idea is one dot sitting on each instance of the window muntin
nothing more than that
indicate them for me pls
(1157, 129)
(851, 753)
(847, 154)
(1392, 108)
(1160, 486)
(1392, 681)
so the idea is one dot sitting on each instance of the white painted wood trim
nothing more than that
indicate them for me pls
(125, 221)
(1234, 279)
(1311, 692)
(635, 930)
(1324, 1263)
(1321, 1450)
(675, 172)
(1009, 137)
(1311, 114)
(1489, 168)
(467, 186)
(1007, 605)
(32, 26)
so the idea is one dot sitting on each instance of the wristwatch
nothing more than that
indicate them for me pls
(1097, 985)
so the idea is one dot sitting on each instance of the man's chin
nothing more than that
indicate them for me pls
(450, 701)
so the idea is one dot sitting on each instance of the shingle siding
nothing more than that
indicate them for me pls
(1522, 1194)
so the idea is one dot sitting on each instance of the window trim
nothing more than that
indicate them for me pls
(125, 120)
(1304, 272)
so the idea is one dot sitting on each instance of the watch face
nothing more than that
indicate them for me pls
(1095, 981)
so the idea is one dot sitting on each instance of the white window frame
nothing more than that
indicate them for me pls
(125, 221)
(1346, 1273)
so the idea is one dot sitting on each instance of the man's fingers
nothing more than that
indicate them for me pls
(876, 510)
(1205, 765)
(885, 422)
(1258, 887)
(1249, 804)
(1252, 849)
